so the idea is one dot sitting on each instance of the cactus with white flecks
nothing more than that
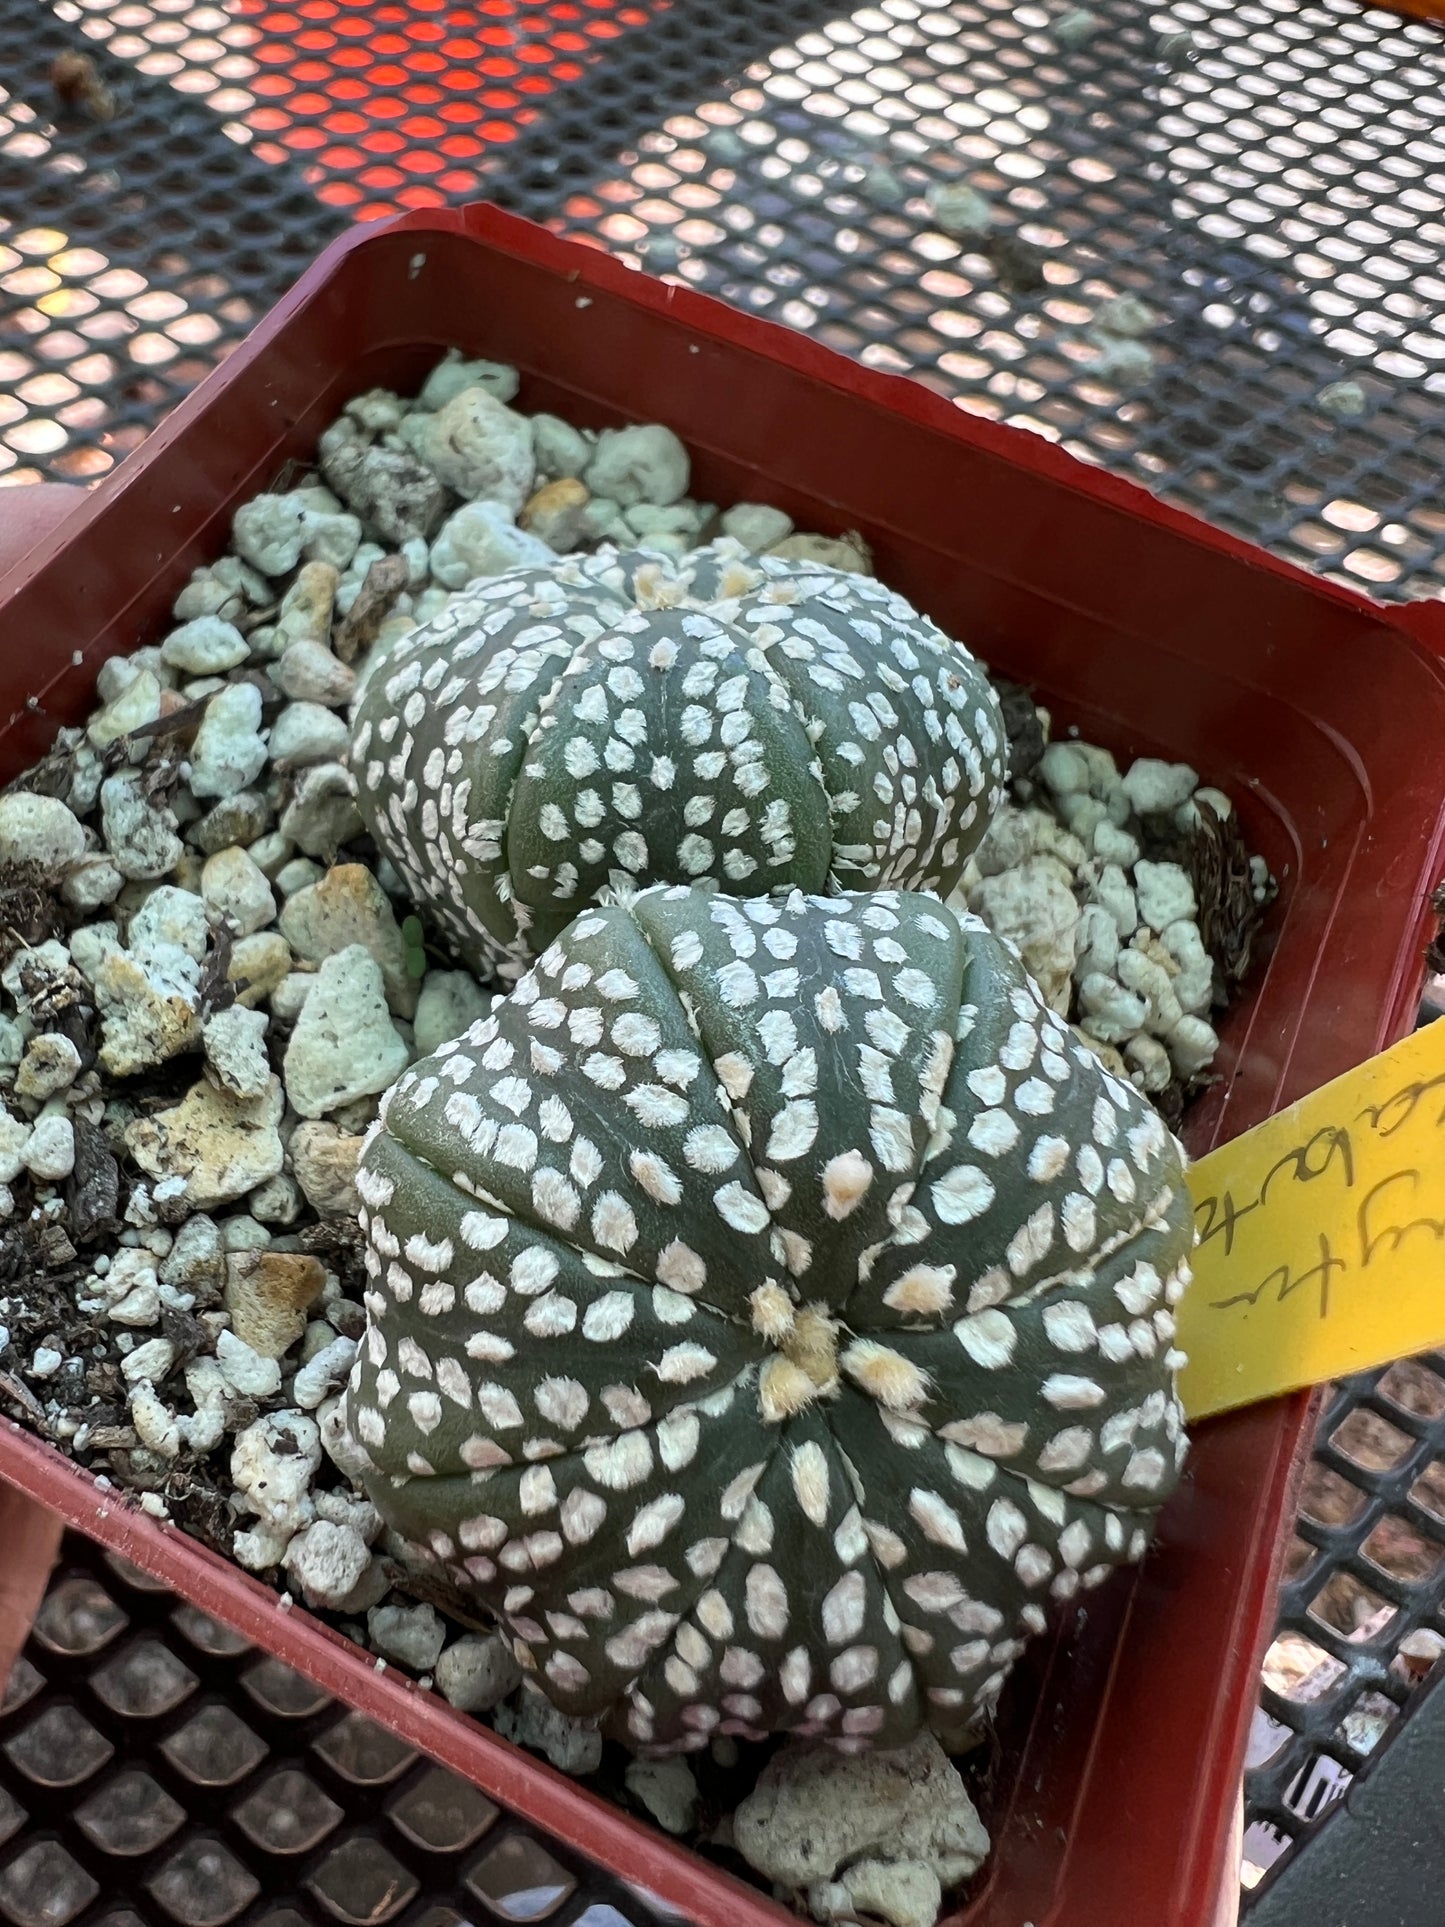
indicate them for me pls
(625, 718)
(771, 1310)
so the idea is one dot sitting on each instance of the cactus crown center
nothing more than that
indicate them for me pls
(804, 1365)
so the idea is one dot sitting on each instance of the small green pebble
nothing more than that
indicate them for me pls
(1344, 399)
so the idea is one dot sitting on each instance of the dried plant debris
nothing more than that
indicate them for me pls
(1019, 265)
(1024, 726)
(31, 911)
(77, 84)
(210, 978)
(385, 580)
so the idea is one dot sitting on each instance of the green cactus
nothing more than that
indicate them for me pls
(414, 937)
(628, 719)
(770, 1312)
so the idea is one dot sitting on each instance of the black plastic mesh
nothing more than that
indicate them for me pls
(157, 1772)
(1267, 179)
(1362, 1617)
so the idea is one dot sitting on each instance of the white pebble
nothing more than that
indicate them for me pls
(530, 1719)
(1194, 982)
(1148, 979)
(288, 999)
(1065, 769)
(1345, 400)
(155, 1423)
(1125, 314)
(242, 1233)
(1120, 362)
(1034, 908)
(168, 917)
(477, 446)
(327, 1561)
(1111, 1013)
(454, 373)
(642, 463)
(900, 1893)
(668, 1790)
(562, 451)
(308, 672)
(206, 647)
(49, 1152)
(322, 813)
(278, 1201)
(204, 595)
(1187, 815)
(91, 945)
(648, 520)
(412, 1635)
(92, 882)
(135, 703)
(148, 1007)
(139, 833)
(1193, 1045)
(268, 532)
(272, 1465)
(14, 1036)
(960, 209)
(1076, 27)
(38, 829)
(299, 874)
(203, 1429)
(306, 609)
(1148, 1062)
(1112, 890)
(850, 553)
(235, 888)
(149, 1361)
(756, 525)
(1098, 940)
(247, 1373)
(345, 1452)
(307, 732)
(228, 753)
(483, 539)
(344, 1045)
(321, 1375)
(1082, 814)
(477, 1672)
(1113, 845)
(51, 1064)
(1164, 893)
(235, 1045)
(1156, 788)
(260, 1547)
(1009, 841)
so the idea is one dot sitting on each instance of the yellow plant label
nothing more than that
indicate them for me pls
(1321, 1236)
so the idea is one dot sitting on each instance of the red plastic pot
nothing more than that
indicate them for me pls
(1120, 1741)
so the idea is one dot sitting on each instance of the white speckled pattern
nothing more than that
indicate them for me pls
(725, 1342)
(630, 718)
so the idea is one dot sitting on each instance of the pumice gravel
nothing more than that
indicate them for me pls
(212, 986)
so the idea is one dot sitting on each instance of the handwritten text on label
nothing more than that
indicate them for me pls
(1322, 1236)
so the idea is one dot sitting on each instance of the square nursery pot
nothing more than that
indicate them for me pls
(1121, 1737)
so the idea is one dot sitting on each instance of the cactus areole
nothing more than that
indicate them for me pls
(770, 1312)
(629, 719)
